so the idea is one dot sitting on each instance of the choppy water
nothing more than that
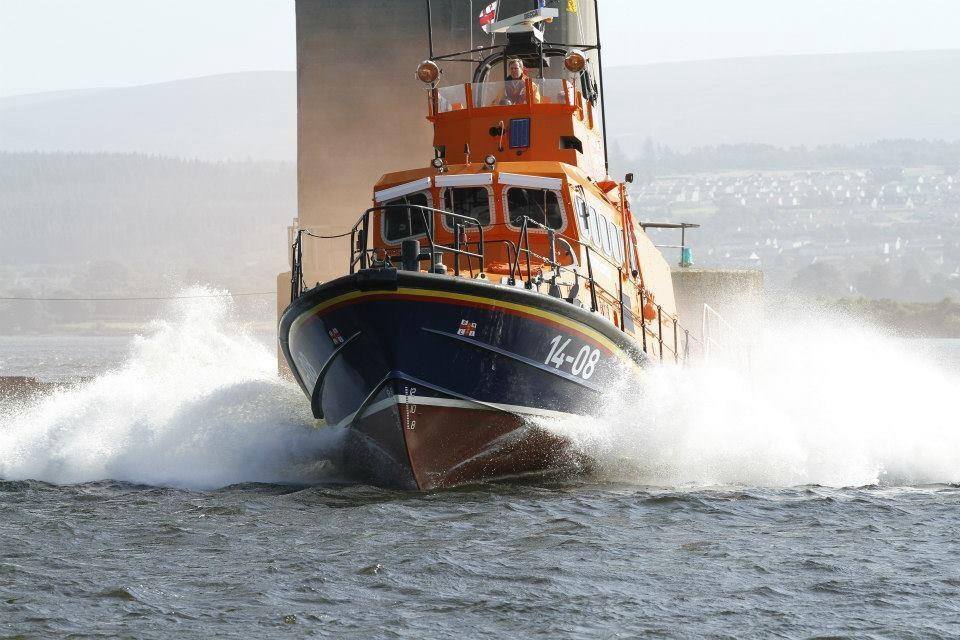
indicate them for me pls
(182, 492)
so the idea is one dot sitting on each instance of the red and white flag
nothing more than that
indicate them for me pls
(488, 16)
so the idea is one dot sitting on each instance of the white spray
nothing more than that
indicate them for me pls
(822, 402)
(197, 404)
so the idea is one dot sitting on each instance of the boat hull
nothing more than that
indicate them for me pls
(445, 381)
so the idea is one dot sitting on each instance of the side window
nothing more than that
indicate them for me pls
(594, 228)
(617, 238)
(605, 235)
(400, 221)
(583, 219)
(536, 204)
(473, 202)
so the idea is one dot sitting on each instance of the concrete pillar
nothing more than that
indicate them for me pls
(362, 113)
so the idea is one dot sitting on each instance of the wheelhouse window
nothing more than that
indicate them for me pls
(473, 202)
(616, 243)
(605, 235)
(594, 221)
(583, 219)
(403, 221)
(537, 204)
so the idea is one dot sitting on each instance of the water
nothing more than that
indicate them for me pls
(60, 358)
(183, 492)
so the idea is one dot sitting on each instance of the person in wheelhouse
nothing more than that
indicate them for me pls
(515, 88)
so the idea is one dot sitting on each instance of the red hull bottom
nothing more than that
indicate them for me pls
(447, 446)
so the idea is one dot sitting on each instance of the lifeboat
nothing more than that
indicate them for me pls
(504, 284)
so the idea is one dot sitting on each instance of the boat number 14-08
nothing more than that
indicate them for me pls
(583, 364)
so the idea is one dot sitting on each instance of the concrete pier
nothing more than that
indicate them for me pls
(737, 295)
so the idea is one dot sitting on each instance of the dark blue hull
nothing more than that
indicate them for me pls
(437, 377)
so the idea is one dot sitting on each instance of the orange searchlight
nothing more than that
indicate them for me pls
(428, 72)
(575, 61)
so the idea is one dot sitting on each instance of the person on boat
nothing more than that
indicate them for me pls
(515, 88)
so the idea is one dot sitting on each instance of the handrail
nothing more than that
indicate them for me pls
(360, 235)
(663, 317)
(359, 250)
(362, 256)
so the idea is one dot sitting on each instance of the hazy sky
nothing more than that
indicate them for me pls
(48, 45)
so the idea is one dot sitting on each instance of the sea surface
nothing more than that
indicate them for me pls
(181, 490)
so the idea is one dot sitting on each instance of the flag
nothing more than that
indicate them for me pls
(572, 6)
(488, 16)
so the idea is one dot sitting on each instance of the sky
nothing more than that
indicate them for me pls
(51, 45)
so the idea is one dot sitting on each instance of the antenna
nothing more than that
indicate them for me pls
(430, 29)
(603, 94)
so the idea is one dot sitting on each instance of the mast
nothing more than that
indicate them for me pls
(603, 94)
(430, 29)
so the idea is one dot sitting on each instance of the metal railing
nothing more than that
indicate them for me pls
(364, 256)
(660, 344)
(668, 338)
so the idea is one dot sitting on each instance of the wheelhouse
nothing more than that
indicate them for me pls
(517, 190)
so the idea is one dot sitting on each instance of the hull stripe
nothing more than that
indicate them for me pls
(427, 295)
(382, 405)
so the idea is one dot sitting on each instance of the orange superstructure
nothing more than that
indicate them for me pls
(542, 159)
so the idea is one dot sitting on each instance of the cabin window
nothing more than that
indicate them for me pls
(605, 235)
(583, 220)
(400, 222)
(537, 204)
(594, 230)
(473, 202)
(617, 241)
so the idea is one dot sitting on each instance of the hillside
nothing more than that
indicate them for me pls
(154, 214)
(229, 117)
(787, 101)
(784, 101)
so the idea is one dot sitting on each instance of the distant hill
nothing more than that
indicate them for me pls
(228, 117)
(73, 208)
(784, 101)
(787, 100)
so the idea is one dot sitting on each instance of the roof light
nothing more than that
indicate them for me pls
(575, 61)
(428, 72)
(439, 164)
(490, 161)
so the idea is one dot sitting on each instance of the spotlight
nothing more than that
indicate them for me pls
(428, 72)
(490, 161)
(575, 61)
